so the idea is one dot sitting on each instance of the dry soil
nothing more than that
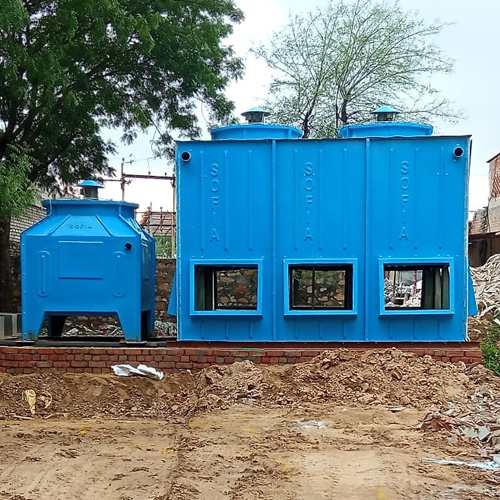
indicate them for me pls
(344, 426)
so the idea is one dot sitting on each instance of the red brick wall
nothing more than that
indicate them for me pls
(179, 357)
(495, 176)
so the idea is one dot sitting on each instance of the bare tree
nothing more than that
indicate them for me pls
(333, 66)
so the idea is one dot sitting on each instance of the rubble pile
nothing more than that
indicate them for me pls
(165, 329)
(475, 415)
(386, 377)
(242, 382)
(480, 326)
(110, 328)
(486, 281)
(401, 295)
(389, 290)
(414, 300)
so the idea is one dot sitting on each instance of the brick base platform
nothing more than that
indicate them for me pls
(192, 356)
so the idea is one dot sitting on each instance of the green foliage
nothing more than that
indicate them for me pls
(68, 68)
(164, 246)
(334, 66)
(490, 347)
(16, 190)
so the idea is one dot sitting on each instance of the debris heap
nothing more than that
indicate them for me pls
(387, 377)
(486, 281)
(379, 377)
(475, 415)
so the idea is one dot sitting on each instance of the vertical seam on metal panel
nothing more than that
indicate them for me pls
(250, 245)
(202, 211)
(294, 199)
(274, 239)
(226, 207)
(367, 240)
(441, 219)
(414, 204)
(318, 211)
(390, 199)
(344, 213)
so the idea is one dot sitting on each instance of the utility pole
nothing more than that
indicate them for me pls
(122, 179)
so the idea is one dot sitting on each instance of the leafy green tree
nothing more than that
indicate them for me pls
(69, 68)
(335, 65)
(17, 192)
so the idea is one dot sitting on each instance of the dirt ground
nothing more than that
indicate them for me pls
(343, 426)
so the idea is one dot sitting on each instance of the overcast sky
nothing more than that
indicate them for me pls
(472, 41)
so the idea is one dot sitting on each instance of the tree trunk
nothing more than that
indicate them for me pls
(343, 112)
(6, 304)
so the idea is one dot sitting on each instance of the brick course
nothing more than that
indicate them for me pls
(171, 359)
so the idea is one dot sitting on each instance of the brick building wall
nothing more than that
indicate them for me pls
(494, 215)
(489, 221)
(479, 223)
(33, 214)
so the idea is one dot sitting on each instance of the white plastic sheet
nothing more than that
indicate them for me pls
(142, 370)
(491, 465)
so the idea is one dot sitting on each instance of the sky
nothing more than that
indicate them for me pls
(471, 40)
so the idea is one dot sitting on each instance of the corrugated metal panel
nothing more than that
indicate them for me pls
(356, 207)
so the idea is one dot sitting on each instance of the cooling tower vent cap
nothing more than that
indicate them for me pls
(255, 115)
(385, 126)
(385, 114)
(255, 129)
(89, 189)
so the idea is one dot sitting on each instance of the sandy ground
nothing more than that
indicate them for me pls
(342, 426)
(313, 452)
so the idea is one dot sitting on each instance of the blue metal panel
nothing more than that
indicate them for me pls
(256, 131)
(319, 202)
(88, 257)
(471, 301)
(385, 129)
(362, 202)
(416, 212)
(224, 214)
